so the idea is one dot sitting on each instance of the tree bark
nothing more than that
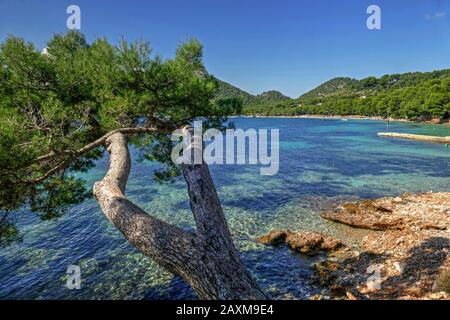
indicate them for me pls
(207, 260)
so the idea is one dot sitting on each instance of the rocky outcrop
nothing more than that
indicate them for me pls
(406, 258)
(415, 212)
(274, 237)
(417, 137)
(308, 243)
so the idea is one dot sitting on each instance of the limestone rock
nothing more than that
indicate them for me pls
(411, 242)
(308, 243)
(274, 237)
(423, 211)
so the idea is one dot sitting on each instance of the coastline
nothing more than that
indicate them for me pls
(408, 245)
(350, 117)
(405, 253)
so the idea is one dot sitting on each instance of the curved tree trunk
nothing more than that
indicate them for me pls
(207, 260)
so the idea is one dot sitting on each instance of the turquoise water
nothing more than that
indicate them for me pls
(321, 163)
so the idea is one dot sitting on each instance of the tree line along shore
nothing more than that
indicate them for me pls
(416, 96)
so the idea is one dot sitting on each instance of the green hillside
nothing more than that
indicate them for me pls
(333, 86)
(418, 96)
(226, 90)
(265, 101)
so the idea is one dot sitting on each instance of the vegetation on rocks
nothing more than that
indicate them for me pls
(443, 281)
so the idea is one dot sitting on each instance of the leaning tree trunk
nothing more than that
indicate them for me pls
(207, 260)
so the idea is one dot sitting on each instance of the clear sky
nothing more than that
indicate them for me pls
(258, 45)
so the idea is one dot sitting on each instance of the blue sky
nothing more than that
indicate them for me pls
(258, 45)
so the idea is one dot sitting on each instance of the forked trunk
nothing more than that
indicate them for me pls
(207, 260)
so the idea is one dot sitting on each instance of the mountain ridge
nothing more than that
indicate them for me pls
(412, 95)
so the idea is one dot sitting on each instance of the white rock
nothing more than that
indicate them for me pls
(400, 267)
(435, 287)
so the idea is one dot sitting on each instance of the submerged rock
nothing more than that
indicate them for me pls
(274, 237)
(308, 243)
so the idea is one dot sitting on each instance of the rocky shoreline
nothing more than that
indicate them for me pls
(405, 257)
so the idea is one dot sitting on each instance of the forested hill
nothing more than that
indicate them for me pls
(226, 90)
(262, 101)
(410, 95)
(330, 87)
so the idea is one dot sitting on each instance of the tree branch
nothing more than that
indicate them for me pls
(74, 154)
(168, 245)
(205, 204)
(59, 167)
(3, 219)
(209, 262)
(96, 143)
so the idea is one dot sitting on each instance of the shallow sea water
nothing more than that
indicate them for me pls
(321, 164)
